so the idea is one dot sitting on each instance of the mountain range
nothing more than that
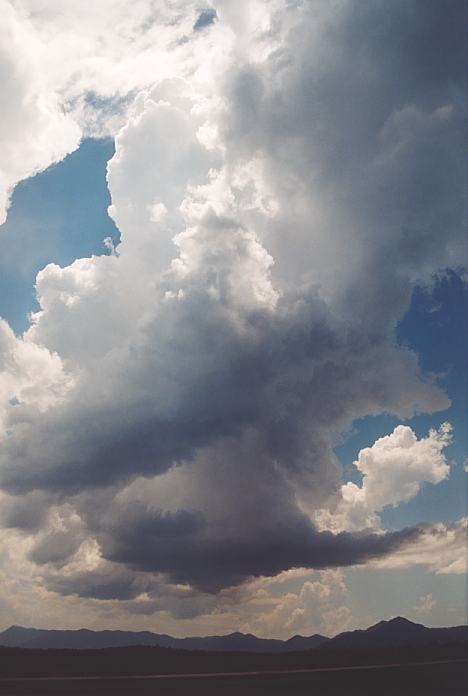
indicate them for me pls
(395, 633)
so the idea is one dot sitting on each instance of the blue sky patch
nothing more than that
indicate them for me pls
(56, 216)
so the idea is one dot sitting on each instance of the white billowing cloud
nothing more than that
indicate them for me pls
(158, 156)
(393, 471)
(81, 312)
(315, 604)
(70, 71)
(34, 131)
(32, 379)
(115, 48)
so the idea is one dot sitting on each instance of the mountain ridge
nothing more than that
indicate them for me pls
(396, 632)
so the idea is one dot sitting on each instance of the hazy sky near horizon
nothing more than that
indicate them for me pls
(233, 314)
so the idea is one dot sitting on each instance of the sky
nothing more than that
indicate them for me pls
(233, 329)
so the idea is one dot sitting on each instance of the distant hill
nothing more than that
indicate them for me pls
(19, 637)
(395, 633)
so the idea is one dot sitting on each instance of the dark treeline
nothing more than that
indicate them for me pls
(143, 660)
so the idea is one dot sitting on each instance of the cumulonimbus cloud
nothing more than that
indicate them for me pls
(275, 213)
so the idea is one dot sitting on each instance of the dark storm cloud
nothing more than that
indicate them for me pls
(210, 564)
(110, 583)
(114, 582)
(55, 547)
(28, 512)
(356, 119)
(211, 557)
(368, 116)
(298, 373)
(248, 525)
